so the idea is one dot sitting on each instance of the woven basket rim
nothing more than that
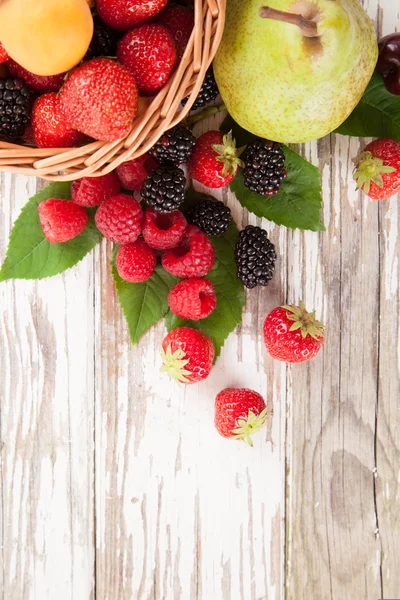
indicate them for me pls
(164, 112)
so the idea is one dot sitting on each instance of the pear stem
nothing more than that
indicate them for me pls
(307, 26)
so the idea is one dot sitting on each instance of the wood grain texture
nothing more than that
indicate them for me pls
(181, 514)
(113, 482)
(46, 412)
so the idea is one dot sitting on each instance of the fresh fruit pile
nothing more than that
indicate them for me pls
(178, 253)
(101, 64)
(182, 249)
(182, 241)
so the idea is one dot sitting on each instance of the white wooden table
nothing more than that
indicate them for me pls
(114, 484)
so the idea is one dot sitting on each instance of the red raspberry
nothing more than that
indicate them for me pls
(194, 257)
(180, 22)
(133, 172)
(193, 299)
(100, 98)
(187, 355)
(136, 262)
(215, 159)
(120, 219)
(50, 129)
(3, 54)
(92, 191)
(39, 83)
(163, 231)
(149, 53)
(61, 220)
(123, 15)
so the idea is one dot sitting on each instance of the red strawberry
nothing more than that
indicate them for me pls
(163, 231)
(292, 334)
(136, 262)
(100, 99)
(133, 172)
(3, 54)
(92, 191)
(120, 219)
(50, 129)
(193, 299)
(187, 355)
(149, 53)
(378, 169)
(180, 22)
(194, 257)
(39, 83)
(61, 220)
(239, 413)
(123, 15)
(215, 159)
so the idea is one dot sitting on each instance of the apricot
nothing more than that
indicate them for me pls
(46, 37)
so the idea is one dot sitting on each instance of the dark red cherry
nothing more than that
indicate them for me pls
(389, 62)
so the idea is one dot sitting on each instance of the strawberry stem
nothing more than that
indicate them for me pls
(174, 364)
(228, 154)
(370, 169)
(304, 321)
(252, 424)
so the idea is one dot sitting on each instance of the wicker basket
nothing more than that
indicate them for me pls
(165, 111)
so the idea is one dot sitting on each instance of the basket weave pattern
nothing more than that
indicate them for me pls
(164, 112)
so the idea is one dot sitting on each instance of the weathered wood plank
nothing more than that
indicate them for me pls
(333, 549)
(387, 413)
(343, 505)
(183, 513)
(46, 412)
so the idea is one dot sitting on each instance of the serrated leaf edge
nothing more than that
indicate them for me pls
(319, 227)
(4, 273)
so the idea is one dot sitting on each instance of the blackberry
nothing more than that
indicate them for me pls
(208, 91)
(104, 41)
(255, 257)
(211, 216)
(16, 99)
(175, 147)
(264, 167)
(164, 189)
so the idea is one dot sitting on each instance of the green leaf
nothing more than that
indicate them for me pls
(229, 290)
(144, 304)
(377, 114)
(30, 255)
(299, 201)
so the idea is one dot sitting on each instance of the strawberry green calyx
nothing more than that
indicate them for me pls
(228, 154)
(370, 168)
(174, 364)
(304, 321)
(247, 427)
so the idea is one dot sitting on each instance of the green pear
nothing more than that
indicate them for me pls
(293, 71)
